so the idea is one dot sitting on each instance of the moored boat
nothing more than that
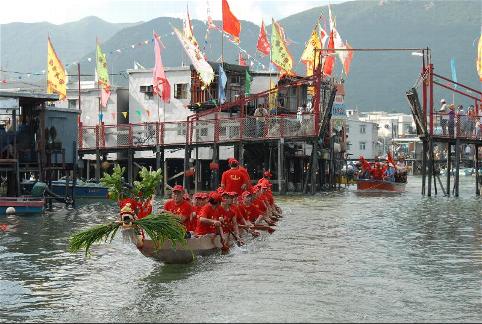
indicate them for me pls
(22, 205)
(82, 189)
(370, 185)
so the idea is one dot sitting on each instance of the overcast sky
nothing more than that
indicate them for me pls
(62, 11)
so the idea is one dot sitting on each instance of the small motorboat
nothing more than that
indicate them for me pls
(22, 204)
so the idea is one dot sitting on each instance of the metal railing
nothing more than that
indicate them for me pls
(457, 125)
(201, 131)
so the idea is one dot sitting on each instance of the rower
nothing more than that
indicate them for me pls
(208, 217)
(228, 219)
(247, 213)
(234, 179)
(261, 206)
(181, 208)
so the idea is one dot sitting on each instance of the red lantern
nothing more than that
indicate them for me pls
(214, 166)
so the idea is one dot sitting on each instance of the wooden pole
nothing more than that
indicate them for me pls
(424, 164)
(130, 166)
(314, 165)
(164, 179)
(281, 178)
(430, 168)
(457, 166)
(97, 165)
(449, 166)
(477, 176)
(187, 156)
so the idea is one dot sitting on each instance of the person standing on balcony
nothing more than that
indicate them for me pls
(260, 113)
(443, 116)
(451, 121)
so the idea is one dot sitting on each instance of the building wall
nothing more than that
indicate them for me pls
(356, 137)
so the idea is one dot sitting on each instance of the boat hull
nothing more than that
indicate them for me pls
(81, 191)
(380, 186)
(181, 254)
(22, 205)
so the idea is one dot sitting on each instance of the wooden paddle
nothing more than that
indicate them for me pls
(260, 227)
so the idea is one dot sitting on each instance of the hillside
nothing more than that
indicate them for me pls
(377, 80)
(23, 46)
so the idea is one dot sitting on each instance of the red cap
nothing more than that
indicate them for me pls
(178, 188)
(267, 174)
(232, 161)
(220, 190)
(198, 195)
(224, 193)
(233, 193)
(215, 196)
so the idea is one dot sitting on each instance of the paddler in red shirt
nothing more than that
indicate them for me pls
(208, 217)
(229, 221)
(234, 179)
(180, 207)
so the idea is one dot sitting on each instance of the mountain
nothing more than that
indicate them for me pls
(23, 46)
(377, 80)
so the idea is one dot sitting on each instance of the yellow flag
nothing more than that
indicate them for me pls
(56, 76)
(272, 95)
(280, 55)
(308, 56)
(479, 58)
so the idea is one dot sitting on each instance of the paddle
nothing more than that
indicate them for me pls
(260, 227)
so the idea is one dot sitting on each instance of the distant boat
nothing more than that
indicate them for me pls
(22, 204)
(369, 185)
(82, 189)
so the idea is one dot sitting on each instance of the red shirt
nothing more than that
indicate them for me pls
(183, 209)
(233, 179)
(250, 212)
(258, 203)
(209, 212)
(228, 215)
(247, 176)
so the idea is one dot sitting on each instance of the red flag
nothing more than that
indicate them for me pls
(329, 61)
(160, 84)
(349, 57)
(242, 61)
(230, 22)
(263, 43)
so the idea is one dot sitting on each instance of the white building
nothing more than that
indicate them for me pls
(362, 137)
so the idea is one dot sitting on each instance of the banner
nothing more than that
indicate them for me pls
(280, 56)
(56, 76)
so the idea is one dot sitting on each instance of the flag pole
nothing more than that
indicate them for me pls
(222, 40)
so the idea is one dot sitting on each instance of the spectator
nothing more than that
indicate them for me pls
(451, 120)
(443, 116)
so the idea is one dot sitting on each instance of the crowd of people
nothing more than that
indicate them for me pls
(378, 170)
(235, 206)
(456, 121)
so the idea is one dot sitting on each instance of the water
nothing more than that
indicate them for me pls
(335, 257)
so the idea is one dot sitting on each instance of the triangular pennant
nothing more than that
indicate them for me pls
(124, 113)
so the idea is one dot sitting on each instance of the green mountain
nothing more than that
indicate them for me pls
(23, 46)
(377, 80)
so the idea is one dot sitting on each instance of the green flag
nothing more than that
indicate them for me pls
(280, 56)
(101, 69)
(247, 86)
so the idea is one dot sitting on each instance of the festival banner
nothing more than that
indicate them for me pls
(348, 59)
(479, 58)
(263, 44)
(329, 61)
(222, 80)
(280, 56)
(308, 56)
(205, 71)
(102, 76)
(56, 76)
(247, 85)
(160, 83)
(231, 24)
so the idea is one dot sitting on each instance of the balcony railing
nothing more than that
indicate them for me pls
(463, 126)
(196, 132)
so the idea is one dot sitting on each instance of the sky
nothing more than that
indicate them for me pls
(128, 11)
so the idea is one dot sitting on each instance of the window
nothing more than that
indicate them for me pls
(72, 103)
(146, 89)
(236, 79)
(362, 129)
(362, 146)
(180, 90)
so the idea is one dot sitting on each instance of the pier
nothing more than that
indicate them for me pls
(452, 131)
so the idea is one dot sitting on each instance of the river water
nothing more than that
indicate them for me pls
(337, 256)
